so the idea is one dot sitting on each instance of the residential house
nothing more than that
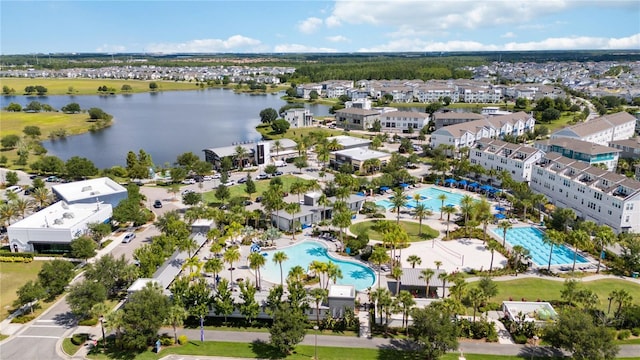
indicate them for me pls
(629, 148)
(356, 119)
(402, 121)
(298, 117)
(311, 212)
(516, 159)
(442, 119)
(591, 153)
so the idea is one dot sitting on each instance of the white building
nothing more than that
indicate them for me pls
(401, 121)
(356, 119)
(350, 142)
(52, 229)
(591, 153)
(517, 159)
(602, 130)
(298, 117)
(258, 153)
(91, 191)
(592, 193)
(467, 134)
(442, 119)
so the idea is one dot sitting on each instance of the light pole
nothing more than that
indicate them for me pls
(316, 343)
(535, 345)
(104, 339)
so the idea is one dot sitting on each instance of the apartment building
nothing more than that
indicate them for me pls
(592, 193)
(356, 119)
(442, 119)
(630, 148)
(402, 121)
(467, 134)
(591, 153)
(602, 130)
(298, 118)
(517, 159)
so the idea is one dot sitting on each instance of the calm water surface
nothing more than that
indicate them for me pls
(164, 124)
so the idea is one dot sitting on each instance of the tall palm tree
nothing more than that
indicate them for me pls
(577, 238)
(413, 260)
(292, 209)
(298, 187)
(214, 265)
(420, 212)
(231, 256)
(621, 297)
(175, 317)
(398, 201)
(334, 272)
(191, 263)
(296, 273)
(492, 246)
(444, 277)
(449, 210)
(519, 253)
(405, 301)
(7, 212)
(426, 275)
(256, 262)
(277, 146)
(42, 196)
(319, 295)
(505, 226)
(442, 198)
(379, 256)
(437, 263)
(240, 155)
(323, 201)
(605, 236)
(476, 297)
(482, 213)
(466, 207)
(552, 238)
(396, 274)
(278, 258)
(187, 244)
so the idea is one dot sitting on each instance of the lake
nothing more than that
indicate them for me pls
(164, 124)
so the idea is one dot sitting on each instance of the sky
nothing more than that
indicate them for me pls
(318, 26)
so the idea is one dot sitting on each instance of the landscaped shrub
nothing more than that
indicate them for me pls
(520, 339)
(167, 341)
(624, 334)
(23, 319)
(16, 254)
(635, 331)
(88, 322)
(183, 339)
(79, 339)
(15, 259)
(478, 329)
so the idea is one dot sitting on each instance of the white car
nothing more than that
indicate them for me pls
(229, 183)
(128, 237)
(207, 178)
(262, 176)
(14, 189)
(187, 191)
(189, 181)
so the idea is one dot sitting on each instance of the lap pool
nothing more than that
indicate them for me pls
(531, 239)
(302, 254)
(429, 197)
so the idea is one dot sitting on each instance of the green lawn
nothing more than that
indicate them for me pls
(12, 276)
(14, 122)
(411, 228)
(298, 133)
(264, 351)
(90, 86)
(69, 347)
(261, 186)
(548, 290)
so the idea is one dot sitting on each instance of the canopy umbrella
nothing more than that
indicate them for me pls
(499, 216)
(404, 185)
(450, 181)
(384, 188)
(500, 208)
(462, 182)
(474, 185)
(486, 187)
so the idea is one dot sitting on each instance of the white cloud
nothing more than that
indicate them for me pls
(310, 25)
(235, 43)
(337, 38)
(508, 35)
(560, 43)
(298, 48)
(108, 48)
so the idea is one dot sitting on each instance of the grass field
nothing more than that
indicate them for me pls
(259, 350)
(12, 276)
(296, 134)
(90, 86)
(411, 228)
(548, 290)
(14, 122)
(261, 186)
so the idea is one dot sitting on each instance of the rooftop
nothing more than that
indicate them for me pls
(342, 291)
(580, 146)
(79, 190)
(350, 141)
(61, 216)
(362, 154)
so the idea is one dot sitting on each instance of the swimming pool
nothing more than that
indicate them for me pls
(302, 254)
(531, 238)
(429, 197)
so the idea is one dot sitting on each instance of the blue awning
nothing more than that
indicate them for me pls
(384, 188)
(450, 181)
(404, 185)
(499, 216)
(474, 185)
(486, 187)
(462, 182)
(500, 208)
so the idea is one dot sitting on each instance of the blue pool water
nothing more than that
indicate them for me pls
(531, 238)
(429, 198)
(302, 254)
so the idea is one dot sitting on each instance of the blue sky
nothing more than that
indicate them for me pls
(211, 26)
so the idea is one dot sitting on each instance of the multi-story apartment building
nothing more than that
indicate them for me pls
(467, 134)
(602, 130)
(442, 119)
(356, 119)
(432, 93)
(590, 153)
(629, 148)
(592, 193)
(299, 117)
(401, 121)
(499, 155)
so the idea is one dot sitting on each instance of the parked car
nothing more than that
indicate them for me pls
(157, 204)
(189, 181)
(259, 199)
(242, 180)
(187, 191)
(29, 191)
(229, 183)
(52, 179)
(207, 178)
(247, 202)
(262, 176)
(216, 176)
(14, 189)
(278, 173)
(128, 237)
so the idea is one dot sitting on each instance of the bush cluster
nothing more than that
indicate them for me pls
(480, 329)
(22, 319)
(183, 339)
(79, 339)
(14, 259)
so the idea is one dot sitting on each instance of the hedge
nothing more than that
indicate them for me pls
(16, 254)
(14, 259)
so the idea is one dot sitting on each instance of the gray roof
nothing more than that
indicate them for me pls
(411, 277)
(357, 111)
(596, 125)
(172, 267)
(580, 146)
(458, 115)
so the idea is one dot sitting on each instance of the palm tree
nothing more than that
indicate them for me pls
(405, 301)
(552, 237)
(476, 297)
(492, 246)
(605, 236)
(449, 210)
(214, 265)
(437, 263)
(319, 268)
(42, 196)
(398, 200)
(577, 238)
(519, 253)
(466, 207)
(621, 297)
(231, 256)
(334, 272)
(187, 244)
(324, 201)
(175, 317)
(379, 256)
(334, 145)
(319, 295)
(444, 277)
(277, 146)
(191, 263)
(7, 212)
(396, 274)
(21, 205)
(421, 211)
(413, 260)
(296, 273)
(292, 209)
(442, 198)
(240, 154)
(256, 262)
(505, 226)
(278, 258)
(298, 187)
(426, 275)
(482, 213)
